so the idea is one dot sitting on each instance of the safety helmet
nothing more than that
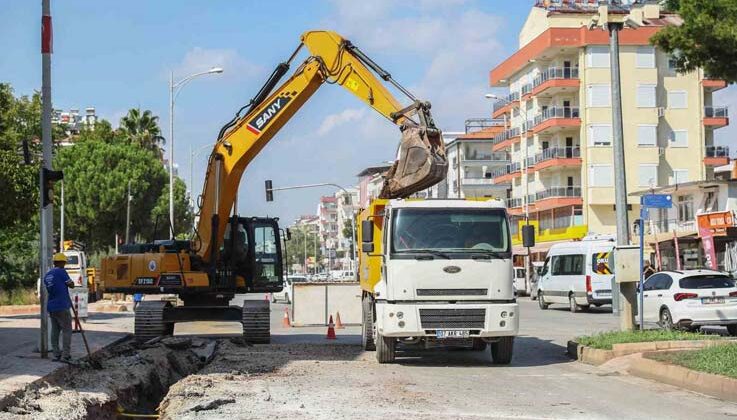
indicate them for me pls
(60, 257)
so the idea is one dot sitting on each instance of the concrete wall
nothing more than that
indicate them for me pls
(313, 303)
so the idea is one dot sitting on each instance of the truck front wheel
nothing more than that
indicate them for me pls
(367, 333)
(385, 348)
(501, 351)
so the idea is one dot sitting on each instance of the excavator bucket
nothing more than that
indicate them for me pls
(421, 164)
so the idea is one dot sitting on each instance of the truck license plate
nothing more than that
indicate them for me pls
(440, 334)
(712, 300)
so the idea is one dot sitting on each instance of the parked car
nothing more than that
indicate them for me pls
(535, 278)
(578, 274)
(690, 299)
(287, 292)
(343, 275)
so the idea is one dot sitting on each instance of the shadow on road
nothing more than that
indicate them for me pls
(592, 310)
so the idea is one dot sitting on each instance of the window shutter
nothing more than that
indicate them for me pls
(646, 57)
(679, 138)
(677, 99)
(647, 135)
(648, 173)
(599, 95)
(600, 135)
(601, 176)
(646, 96)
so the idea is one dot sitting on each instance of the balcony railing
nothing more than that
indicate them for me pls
(552, 73)
(716, 112)
(558, 192)
(526, 89)
(514, 202)
(558, 153)
(505, 135)
(556, 112)
(530, 161)
(502, 102)
(477, 180)
(477, 124)
(508, 169)
(475, 155)
(666, 225)
(717, 151)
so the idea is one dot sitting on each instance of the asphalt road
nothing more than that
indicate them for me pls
(541, 382)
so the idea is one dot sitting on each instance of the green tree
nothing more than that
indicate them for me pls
(142, 128)
(707, 38)
(296, 246)
(96, 175)
(182, 214)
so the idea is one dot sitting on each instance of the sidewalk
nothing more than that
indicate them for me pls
(101, 306)
(20, 365)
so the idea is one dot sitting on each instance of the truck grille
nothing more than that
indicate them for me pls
(452, 292)
(452, 318)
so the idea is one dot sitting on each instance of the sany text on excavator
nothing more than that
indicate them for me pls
(232, 254)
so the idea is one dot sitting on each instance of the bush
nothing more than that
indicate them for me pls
(18, 297)
(719, 360)
(605, 340)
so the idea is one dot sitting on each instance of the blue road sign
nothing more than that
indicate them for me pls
(657, 201)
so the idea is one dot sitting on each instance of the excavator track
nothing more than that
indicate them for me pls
(256, 321)
(149, 322)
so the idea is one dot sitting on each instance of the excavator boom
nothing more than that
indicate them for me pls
(421, 160)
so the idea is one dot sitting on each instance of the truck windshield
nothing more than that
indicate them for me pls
(450, 230)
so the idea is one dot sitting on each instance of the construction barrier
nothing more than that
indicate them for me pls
(313, 303)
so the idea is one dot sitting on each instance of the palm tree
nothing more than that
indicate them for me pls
(143, 129)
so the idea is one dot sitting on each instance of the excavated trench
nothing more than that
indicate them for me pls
(131, 384)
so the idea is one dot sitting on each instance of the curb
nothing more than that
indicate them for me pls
(597, 357)
(706, 383)
(34, 309)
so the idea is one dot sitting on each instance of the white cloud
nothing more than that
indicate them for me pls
(202, 59)
(335, 120)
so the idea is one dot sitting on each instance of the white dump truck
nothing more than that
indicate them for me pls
(437, 272)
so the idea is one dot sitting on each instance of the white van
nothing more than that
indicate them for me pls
(578, 274)
(520, 281)
(76, 267)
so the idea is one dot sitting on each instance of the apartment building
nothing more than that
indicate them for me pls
(327, 212)
(346, 208)
(559, 132)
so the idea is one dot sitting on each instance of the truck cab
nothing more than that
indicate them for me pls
(437, 272)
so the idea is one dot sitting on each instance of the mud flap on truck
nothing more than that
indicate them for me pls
(421, 163)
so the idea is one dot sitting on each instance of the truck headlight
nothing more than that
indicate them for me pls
(400, 315)
(504, 314)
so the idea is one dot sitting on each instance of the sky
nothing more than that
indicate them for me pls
(118, 55)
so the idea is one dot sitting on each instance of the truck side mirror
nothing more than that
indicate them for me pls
(528, 236)
(367, 232)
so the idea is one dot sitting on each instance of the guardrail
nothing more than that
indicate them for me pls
(505, 135)
(558, 153)
(502, 102)
(552, 192)
(553, 73)
(556, 112)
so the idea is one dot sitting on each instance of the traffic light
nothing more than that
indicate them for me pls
(48, 178)
(269, 191)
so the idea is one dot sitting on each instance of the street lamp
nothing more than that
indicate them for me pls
(174, 89)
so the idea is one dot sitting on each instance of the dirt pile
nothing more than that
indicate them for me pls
(134, 378)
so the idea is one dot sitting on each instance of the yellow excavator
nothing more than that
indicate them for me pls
(231, 255)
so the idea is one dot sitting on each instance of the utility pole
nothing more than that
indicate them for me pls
(47, 219)
(620, 180)
(128, 215)
(304, 238)
(61, 217)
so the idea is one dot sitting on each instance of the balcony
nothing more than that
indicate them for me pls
(506, 174)
(713, 85)
(554, 197)
(556, 119)
(716, 155)
(504, 105)
(477, 181)
(505, 139)
(526, 90)
(665, 226)
(557, 157)
(555, 80)
(514, 203)
(716, 116)
(477, 158)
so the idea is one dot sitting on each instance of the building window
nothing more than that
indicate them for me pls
(597, 56)
(648, 175)
(685, 208)
(599, 95)
(680, 176)
(647, 135)
(711, 201)
(671, 63)
(600, 135)
(601, 176)
(677, 99)
(679, 138)
(646, 57)
(646, 96)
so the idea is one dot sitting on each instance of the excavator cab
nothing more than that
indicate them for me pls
(252, 250)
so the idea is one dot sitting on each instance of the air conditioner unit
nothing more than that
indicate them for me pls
(661, 151)
(661, 112)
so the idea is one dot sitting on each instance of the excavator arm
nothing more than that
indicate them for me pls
(421, 158)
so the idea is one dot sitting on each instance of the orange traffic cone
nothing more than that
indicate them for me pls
(77, 326)
(285, 320)
(338, 324)
(331, 329)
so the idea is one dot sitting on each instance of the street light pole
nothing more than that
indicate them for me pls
(173, 92)
(128, 215)
(620, 181)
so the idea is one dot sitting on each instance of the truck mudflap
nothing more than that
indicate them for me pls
(447, 320)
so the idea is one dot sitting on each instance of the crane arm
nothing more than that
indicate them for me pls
(334, 60)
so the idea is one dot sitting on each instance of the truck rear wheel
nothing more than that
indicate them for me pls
(367, 326)
(385, 348)
(501, 351)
